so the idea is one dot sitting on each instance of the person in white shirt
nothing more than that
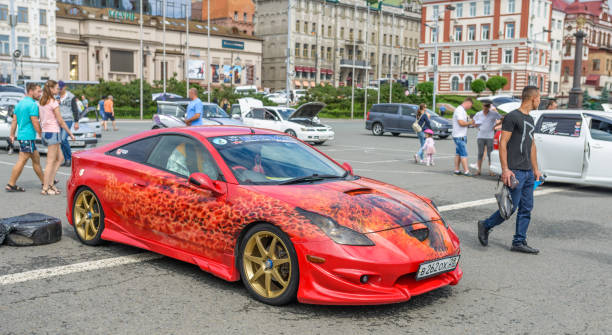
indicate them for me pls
(485, 120)
(461, 122)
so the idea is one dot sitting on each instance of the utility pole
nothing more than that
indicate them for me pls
(140, 23)
(379, 59)
(368, 60)
(391, 61)
(187, 13)
(13, 22)
(288, 61)
(164, 66)
(354, 56)
(208, 51)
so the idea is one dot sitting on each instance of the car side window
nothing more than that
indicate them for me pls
(258, 114)
(601, 129)
(183, 156)
(560, 126)
(137, 151)
(408, 111)
(269, 116)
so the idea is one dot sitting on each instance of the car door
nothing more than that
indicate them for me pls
(253, 118)
(561, 142)
(177, 212)
(599, 153)
(270, 120)
(408, 116)
(391, 117)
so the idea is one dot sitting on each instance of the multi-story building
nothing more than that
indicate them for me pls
(593, 18)
(557, 27)
(34, 37)
(174, 8)
(103, 43)
(227, 13)
(480, 39)
(331, 38)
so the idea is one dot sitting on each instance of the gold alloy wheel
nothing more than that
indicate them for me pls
(267, 264)
(87, 215)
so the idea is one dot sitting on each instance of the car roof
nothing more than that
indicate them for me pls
(571, 111)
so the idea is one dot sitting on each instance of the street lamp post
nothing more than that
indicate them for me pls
(575, 94)
(354, 56)
(140, 23)
(164, 66)
(187, 13)
(435, 65)
(288, 60)
(208, 50)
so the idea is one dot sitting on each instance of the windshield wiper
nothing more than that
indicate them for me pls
(313, 177)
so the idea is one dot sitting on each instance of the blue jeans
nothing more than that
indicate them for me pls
(421, 135)
(66, 151)
(461, 146)
(522, 198)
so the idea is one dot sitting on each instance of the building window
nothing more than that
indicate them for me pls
(456, 58)
(313, 51)
(510, 30)
(305, 27)
(329, 53)
(235, 16)
(322, 52)
(434, 35)
(351, 35)
(595, 64)
(373, 38)
(487, 7)
(459, 10)
(435, 11)
(472, 9)
(485, 32)
(468, 84)
(555, 87)
(23, 44)
(508, 56)
(244, 17)
(74, 67)
(511, 6)
(539, 8)
(471, 33)
(558, 43)
(559, 23)
(432, 58)
(122, 61)
(297, 49)
(470, 57)
(341, 53)
(305, 51)
(314, 28)
(557, 66)
(484, 57)
(329, 31)
(22, 15)
(297, 26)
(5, 45)
(341, 32)
(397, 40)
(568, 49)
(455, 84)
(3, 12)
(458, 33)
(43, 48)
(43, 17)
(384, 59)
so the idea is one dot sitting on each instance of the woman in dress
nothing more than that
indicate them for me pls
(422, 119)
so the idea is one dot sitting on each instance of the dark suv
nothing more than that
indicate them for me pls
(398, 118)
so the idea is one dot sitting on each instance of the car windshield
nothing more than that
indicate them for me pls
(285, 113)
(432, 113)
(273, 159)
(171, 109)
(214, 111)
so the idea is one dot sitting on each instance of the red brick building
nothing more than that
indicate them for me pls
(228, 13)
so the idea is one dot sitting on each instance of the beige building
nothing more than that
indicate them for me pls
(102, 43)
(323, 33)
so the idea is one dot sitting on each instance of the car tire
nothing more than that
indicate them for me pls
(87, 217)
(258, 269)
(442, 137)
(290, 132)
(395, 134)
(319, 143)
(377, 129)
(155, 127)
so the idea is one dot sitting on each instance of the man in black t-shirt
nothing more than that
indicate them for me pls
(517, 154)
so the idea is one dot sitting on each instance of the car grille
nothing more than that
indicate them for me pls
(321, 129)
(420, 234)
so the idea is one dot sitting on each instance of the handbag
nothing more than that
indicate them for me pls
(504, 202)
(416, 127)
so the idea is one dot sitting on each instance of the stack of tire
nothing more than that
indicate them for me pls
(30, 229)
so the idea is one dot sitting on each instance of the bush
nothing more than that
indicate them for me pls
(496, 83)
(478, 86)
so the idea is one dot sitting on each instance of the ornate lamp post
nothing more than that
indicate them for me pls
(575, 94)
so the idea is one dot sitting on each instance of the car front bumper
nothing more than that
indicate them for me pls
(316, 136)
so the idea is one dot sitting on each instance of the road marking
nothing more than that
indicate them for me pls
(30, 167)
(78, 267)
(489, 201)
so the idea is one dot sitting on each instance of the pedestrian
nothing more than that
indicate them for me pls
(518, 157)
(101, 112)
(225, 104)
(84, 101)
(25, 122)
(552, 105)
(51, 121)
(485, 120)
(195, 109)
(461, 122)
(109, 110)
(429, 147)
(442, 110)
(420, 124)
(70, 113)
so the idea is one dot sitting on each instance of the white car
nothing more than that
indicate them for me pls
(277, 98)
(502, 102)
(574, 146)
(298, 123)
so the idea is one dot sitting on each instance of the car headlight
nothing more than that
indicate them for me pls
(306, 129)
(338, 233)
(436, 124)
(90, 135)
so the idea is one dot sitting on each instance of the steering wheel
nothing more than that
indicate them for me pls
(238, 168)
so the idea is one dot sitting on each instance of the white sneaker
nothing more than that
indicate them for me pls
(416, 159)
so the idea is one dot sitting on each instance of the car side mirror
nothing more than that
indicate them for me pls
(236, 116)
(202, 181)
(347, 167)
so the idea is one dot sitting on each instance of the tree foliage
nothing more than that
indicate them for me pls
(478, 86)
(496, 83)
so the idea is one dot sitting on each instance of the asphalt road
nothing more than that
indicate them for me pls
(566, 289)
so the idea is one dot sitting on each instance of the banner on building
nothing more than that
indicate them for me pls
(237, 74)
(226, 74)
(197, 69)
(250, 74)
(214, 73)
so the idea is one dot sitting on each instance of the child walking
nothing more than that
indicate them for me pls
(429, 147)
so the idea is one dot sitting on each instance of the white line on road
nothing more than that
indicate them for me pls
(488, 201)
(30, 167)
(78, 267)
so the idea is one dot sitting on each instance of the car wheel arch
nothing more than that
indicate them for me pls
(245, 229)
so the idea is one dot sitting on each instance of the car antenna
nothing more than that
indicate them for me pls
(252, 131)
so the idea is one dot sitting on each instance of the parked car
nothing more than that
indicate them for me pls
(91, 117)
(398, 118)
(7, 107)
(502, 102)
(172, 114)
(244, 105)
(277, 98)
(574, 146)
(297, 123)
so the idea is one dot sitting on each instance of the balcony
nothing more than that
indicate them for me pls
(359, 64)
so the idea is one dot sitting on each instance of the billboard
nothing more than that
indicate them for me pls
(197, 69)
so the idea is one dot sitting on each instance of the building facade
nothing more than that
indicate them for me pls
(480, 39)
(330, 38)
(228, 13)
(174, 8)
(98, 43)
(593, 18)
(34, 37)
(557, 27)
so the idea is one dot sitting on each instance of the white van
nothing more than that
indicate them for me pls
(244, 90)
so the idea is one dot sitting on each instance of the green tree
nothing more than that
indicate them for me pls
(496, 83)
(478, 86)
(605, 95)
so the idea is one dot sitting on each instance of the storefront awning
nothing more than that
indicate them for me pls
(299, 69)
(297, 83)
(305, 83)
(593, 80)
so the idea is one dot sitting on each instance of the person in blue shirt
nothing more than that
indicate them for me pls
(195, 109)
(26, 124)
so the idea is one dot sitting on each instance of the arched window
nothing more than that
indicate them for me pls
(468, 83)
(483, 78)
(455, 84)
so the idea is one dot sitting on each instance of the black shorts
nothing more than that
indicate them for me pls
(482, 142)
(27, 146)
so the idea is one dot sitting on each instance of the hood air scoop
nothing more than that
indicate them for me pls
(358, 191)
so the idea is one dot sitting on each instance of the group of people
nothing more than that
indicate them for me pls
(50, 113)
(106, 108)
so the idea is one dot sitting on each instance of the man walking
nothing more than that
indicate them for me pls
(461, 122)
(517, 154)
(485, 120)
(109, 110)
(195, 109)
(101, 112)
(69, 109)
(26, 122)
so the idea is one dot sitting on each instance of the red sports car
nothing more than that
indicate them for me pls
(265, 208)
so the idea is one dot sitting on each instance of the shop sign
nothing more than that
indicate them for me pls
(232, 44)
(120, 15)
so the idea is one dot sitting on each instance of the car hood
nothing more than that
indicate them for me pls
(440, 120)
(307, 111)
(227, 121)
(364, 205)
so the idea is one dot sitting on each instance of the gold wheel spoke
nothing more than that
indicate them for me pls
(86, 230)
(272, 250)
(279, 278)
(91, 202)
(260, 246)
(256, 260)
(256, 275)
(95, 215)
(80, 210)
(268, 282)
(280, 261)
